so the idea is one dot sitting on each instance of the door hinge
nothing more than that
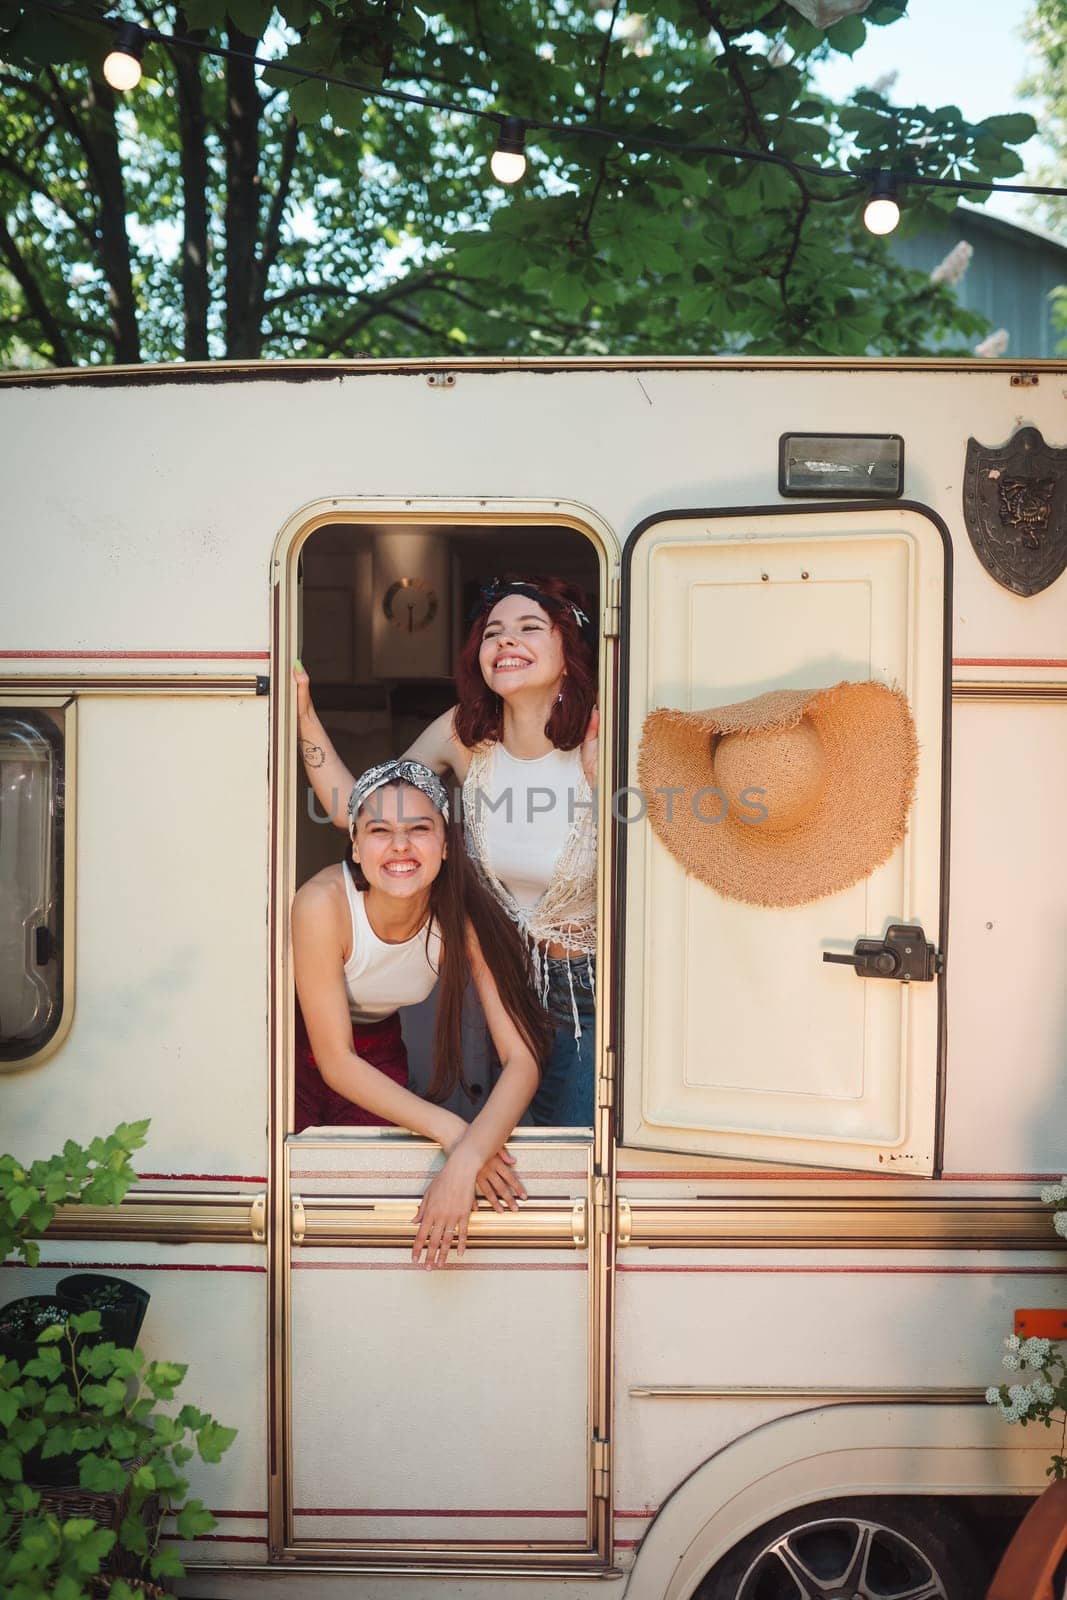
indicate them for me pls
(298, 1222)
(605, 1083)
(257, 1218)
(602, 1205)
(624, 1222)
(601, 1468)
(613, 607)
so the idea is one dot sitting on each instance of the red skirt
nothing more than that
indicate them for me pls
(319, 1106)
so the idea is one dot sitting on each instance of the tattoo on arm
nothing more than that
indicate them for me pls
(314, 755)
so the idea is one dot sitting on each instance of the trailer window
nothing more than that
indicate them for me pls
(31, 879)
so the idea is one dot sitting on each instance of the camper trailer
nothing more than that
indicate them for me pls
(743, 1324)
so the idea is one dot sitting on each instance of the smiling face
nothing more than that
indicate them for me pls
(521, 648)
(400, 841)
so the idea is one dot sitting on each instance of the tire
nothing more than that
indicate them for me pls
(869, 1549)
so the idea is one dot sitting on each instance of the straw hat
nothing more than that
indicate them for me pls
(835, 770)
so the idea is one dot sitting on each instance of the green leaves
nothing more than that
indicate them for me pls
(390, 240)
(1013, 129)
(103, 1407)
(99, 1174)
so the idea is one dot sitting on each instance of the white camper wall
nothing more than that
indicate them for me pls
(172, 553)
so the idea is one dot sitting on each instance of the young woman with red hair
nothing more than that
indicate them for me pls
(522, 741)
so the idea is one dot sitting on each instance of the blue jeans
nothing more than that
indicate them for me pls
(565, 1096)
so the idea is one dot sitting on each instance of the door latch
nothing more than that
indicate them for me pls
(904, 954)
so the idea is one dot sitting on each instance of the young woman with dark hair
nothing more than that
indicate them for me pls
(405, 913)
(523, 742)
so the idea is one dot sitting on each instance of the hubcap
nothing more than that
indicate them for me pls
(841, 1558)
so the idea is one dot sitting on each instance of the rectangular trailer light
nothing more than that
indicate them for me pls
(862, 465)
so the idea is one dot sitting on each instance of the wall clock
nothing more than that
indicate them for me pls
(410, 604)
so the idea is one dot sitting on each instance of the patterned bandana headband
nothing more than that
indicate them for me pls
(386, 772)
(492, 592)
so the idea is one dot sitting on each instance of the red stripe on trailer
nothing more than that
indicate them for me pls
(300, 1172)
(980, 1272)
(134, 655)
(410, 1266)
(1008, 661)
(199, 1177)
(408, 1511)
(140, 1266)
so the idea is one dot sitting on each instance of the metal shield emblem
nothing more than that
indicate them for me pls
(1015, 508)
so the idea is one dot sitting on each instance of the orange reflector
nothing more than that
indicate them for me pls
(1041, 1324)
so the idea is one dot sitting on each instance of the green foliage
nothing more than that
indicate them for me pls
(1046, 33)
(97, 1411)
(107, 1420)
(210, 213)
(96, 1175)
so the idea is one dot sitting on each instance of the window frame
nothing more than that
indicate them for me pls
(12, 701)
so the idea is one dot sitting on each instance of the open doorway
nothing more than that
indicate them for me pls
(384, 611)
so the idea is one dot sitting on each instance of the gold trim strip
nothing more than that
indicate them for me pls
(743, 1391)
(510, 1558)
(142, 683)
(288, 1563)
(166, 1218)
(946, 1223)
(282, 371)
(386, 1223)
(974, 689)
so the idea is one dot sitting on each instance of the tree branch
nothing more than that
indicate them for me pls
(35, 300)
(754, 123)
(241, 136)
(268, 253)
(29, 182)
(192, 127)
(99, 142)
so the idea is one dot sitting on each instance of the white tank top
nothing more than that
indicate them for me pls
(380, 976)
(527, 811)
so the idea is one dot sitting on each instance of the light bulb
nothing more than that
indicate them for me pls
(508, 161)
(881, 216)
(122, 64)
(882, 213)
(507, 166)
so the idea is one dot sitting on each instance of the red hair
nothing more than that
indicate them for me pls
(480, 714)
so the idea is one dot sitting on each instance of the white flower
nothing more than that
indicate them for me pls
(995, 345)
(1044, 1391)
(1011, 1361)
(1053, 1193)
(1021, 1398)
(951, 269)
(1013, 1342)
(1035, 1352)
(1009, 1413)
(1059, 1222)
(992, 1395)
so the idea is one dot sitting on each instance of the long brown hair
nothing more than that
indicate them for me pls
(458, 896)
(479, 713)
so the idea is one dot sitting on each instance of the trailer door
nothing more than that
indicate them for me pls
(736, 1038)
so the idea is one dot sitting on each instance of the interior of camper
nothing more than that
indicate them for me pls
(384, 611)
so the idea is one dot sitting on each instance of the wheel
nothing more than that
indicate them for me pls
(871, 1549)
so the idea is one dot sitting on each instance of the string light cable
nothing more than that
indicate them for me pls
(123, 70)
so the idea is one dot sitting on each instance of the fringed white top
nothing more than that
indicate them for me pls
(530, 828)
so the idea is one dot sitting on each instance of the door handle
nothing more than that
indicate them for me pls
(904, 954)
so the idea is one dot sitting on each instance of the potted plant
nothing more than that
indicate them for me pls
(86, 1409)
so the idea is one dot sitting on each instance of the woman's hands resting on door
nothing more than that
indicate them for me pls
(445, 1210)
